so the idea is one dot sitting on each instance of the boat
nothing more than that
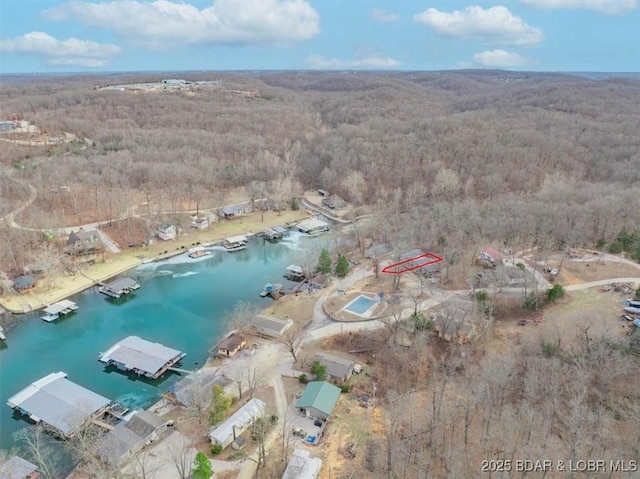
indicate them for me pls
(198, 252)
(2, 335)
(235, 243)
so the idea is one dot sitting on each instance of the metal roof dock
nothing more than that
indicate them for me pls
(119, 287)
(58, 402)
(142, 357)
(54, 311)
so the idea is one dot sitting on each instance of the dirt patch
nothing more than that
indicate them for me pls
(298, 307)
(573, 272)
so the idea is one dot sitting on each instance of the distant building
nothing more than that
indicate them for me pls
(312, 227)
(378, 251)
(338, 369)
(196, 388)
(334, 203)
(24, 283)
(489, 257)
(270, 326)
(302, 466)
(202, 222)
(234, 211)
(227, 432)
(318, 399)
(58, 402)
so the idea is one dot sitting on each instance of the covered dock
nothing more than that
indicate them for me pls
(59, 403)
(53, 312)
(119, 287)
(273, 234)
(141, 357)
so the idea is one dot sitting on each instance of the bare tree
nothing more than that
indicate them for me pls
(40, 448)
(181, 454)
(291, 341)
(241, 315)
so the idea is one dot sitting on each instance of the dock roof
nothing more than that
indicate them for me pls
(311, 224)
(320, 395)
(136, 353)
(236, 239)
(58, 402)
(60, 306)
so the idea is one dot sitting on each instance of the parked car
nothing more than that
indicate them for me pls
(317, 422)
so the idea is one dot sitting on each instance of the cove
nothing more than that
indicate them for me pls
(183, 304)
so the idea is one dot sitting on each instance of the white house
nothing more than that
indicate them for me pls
(167, 232)
(226, 432)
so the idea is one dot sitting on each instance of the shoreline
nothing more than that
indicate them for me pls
(35, 299)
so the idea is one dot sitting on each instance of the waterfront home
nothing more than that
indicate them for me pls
(202, 222)
(196, 389)
(18, 468)
(235, 243)
(141, 357)
(318, 399)
(24, 283)
(119, 287)
(231, 345)
(167, 232)
(234, 211)
(58, 403)
(302, 466)
(228, 431)
(312, 227)
(83, 242)
(269, 326)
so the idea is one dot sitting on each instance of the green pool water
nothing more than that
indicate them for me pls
(182, 304)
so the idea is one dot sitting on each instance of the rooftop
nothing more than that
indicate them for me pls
(136, 353)
(270, 325)
(336, 366)
(122, 284)
(302, 466)
(239, 419)
(17, 468)
(311, 224)
(58, 402)
(320, 395)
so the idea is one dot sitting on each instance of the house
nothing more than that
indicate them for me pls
(228, 431)
(58, 403)
(83, 242)
(196, 389)
(24, 283)
(203, 222)
(128, 437)
(489, 257)
(512, 276)
(270, 326)
(318, 282)
(334, 203)
(338, 369)
(318, 399)
(294, 273)
(234, 211)
(167, 232)
(378, 251)
(456, 321)
(302, 466)
(18, 468)
(231, 345)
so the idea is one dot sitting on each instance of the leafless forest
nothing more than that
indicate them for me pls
(451, 158)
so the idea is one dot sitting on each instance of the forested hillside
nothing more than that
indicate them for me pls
(471, 156)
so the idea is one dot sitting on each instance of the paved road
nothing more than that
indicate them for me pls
(602, 282)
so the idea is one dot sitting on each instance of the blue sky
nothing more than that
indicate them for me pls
(171, 35)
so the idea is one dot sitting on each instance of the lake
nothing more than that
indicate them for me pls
(183, 304)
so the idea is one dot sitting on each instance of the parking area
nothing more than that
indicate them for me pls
(304, 429)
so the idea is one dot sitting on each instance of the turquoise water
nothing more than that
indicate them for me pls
(182, 304)
(360, 305)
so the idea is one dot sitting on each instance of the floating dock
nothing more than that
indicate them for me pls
(53, 312)
(235, 243)
(144, 358)
(120, 287)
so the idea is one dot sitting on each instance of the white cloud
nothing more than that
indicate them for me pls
(375, 61)
(164, 24)
(384, 16)
(609, 7)
(500, 59)
(71, 52)
(495, 25)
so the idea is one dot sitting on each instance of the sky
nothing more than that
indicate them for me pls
(50, 36)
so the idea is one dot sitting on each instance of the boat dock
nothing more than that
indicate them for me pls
(119, 287)
(53, 312)
(144, 358)
(274, 234)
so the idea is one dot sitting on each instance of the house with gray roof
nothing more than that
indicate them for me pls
(83, 242)
(141, 357)
(18, 468)
(338, 369)
(302, 466)
(270, 326)
(318, 399)
(58, 403)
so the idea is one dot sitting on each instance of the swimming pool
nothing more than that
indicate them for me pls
(360, 305)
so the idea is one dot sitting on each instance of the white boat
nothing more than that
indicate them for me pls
(198, 252)
(2, 336)
(235, 243)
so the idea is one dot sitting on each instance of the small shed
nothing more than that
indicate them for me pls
(318, 399)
